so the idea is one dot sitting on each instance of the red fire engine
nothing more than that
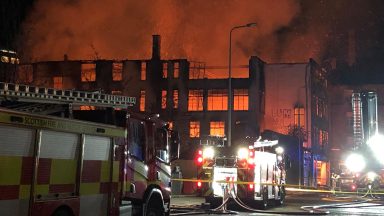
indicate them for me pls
(256, 174)
(61, 166)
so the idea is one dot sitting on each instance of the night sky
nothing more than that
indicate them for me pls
(348, 34)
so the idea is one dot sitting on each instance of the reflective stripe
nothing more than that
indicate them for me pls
(8, 192)
(91, 171)
(42, 189)
(116, 171)
(10, 170)
(24, 191)
(105, 171)
(63, 171)
(89, 188)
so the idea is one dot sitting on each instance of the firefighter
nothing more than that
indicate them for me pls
(334, 179)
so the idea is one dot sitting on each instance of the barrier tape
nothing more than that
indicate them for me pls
(289, 187)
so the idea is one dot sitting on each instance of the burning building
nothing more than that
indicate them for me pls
(285, 98)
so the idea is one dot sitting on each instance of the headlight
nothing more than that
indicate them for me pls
(242, 153)
(371, 176)
(355, 162)
(279, 150)
(208, 153)
(376, 143)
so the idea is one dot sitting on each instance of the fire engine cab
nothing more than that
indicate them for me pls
(254, 174)
(65, 167)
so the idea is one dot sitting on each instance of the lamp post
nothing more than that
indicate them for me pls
(230, 80)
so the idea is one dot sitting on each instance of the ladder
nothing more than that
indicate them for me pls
(32, 95)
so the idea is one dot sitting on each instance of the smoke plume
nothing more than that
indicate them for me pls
(286, 31)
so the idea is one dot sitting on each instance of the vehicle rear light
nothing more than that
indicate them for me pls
(199, 158)
(353, 187)
(250, 186)
(251, 161)
(251, 157)
(199, 184)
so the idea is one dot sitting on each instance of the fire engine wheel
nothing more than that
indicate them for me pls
(281, 200)
(214, 202)
(265, 198)
(62, 211)
(154, 208)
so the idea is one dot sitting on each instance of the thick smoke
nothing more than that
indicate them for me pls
(287, 30)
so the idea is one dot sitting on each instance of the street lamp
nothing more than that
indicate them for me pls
(230, 80)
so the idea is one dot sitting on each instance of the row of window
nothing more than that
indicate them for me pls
(320, 137)
(321, 107)
(88, 71)
(217, 100)
(216, 128)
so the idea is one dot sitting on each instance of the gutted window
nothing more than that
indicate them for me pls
(299, 116)
(163, 99)
(176, 70)
(240, 99)
(194, 129)
(217, 99)
(116, 92)
(195, 100)
(87, 107)
(217, 128)
(165, 69)
(117, 71)
(142, 101)
(25, 74)
(196, 70)
(175, 99)
(143, 71)
(88, 72)
(58, 82)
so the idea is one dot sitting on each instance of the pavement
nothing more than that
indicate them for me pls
(186, 200)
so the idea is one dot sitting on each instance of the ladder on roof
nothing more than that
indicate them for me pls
(33, 95)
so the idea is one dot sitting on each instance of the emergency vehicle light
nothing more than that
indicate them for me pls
(250, 186)
(242, 153)
(355, 162)
(279, 150)
(199, 158)
(208, 153)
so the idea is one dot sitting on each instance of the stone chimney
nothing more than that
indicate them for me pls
(156, 46)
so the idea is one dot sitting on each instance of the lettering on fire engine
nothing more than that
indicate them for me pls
(40, 122)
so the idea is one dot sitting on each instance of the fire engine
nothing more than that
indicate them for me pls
(65, 167)
(364, 163)
(256, 173)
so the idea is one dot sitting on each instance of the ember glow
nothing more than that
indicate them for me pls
(287, 30)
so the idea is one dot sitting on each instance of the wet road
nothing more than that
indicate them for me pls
(335, 205)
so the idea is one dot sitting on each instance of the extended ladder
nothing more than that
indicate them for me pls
(36, 95)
